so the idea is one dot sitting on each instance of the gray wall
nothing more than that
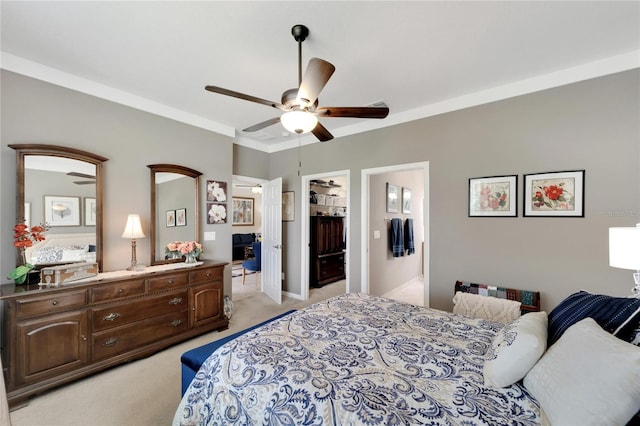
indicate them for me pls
(591, 125)
(38, 112)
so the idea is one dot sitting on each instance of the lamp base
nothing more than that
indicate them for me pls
(136, 267)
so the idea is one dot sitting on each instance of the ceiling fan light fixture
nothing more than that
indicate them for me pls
(299, 121)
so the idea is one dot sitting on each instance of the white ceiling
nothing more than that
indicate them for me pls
(421, 58)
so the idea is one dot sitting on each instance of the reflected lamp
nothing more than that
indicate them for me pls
(624, 252)
(133, 230)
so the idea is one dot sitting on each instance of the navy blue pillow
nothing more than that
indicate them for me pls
(617, 315)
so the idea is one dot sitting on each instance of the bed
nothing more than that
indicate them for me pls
(63, 248)
(357, 359)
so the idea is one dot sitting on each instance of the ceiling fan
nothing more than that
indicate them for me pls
(84, 176)
(255, 189)
(300, 105)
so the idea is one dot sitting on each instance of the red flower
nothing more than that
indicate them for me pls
(553, 192)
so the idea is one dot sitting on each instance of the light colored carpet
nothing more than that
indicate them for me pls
(147, 391)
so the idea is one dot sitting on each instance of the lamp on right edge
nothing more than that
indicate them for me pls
(624, 252)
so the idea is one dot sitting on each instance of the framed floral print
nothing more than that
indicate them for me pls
(181, 217)
(216, 191)
(554, 194)
(393, 195)
(216, 213)
(493, 196)
(406, 200)
(242, 211)
(288, 206)
(89, 211)
(170, 216)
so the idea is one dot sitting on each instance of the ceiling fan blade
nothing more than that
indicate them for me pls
(84, 182)
(321, 133)
(354, 112)
(234, 94)
(315, 78)
(259, 126)
(82, 175)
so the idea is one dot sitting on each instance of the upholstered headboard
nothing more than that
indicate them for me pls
(530, 299)
(62, 248)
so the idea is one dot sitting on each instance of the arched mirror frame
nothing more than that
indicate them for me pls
(172, 168)
(22, 150)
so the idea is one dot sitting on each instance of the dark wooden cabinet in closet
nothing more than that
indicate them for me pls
(327, 250)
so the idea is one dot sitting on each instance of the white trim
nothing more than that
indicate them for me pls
(365, 227)
(304, 229)
(599, 68)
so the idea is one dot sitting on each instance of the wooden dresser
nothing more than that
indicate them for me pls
(53, 335)
(326, 255)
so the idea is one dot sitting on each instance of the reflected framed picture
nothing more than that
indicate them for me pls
(393, 194)
(288, 206)
(242, 211)
(89, 211)
(27, 214)
(181, 217)
(406, 200)
(554, 194)
(61, 211)
(170, 216)
(493, 196)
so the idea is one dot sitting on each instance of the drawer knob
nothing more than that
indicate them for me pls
(175, 323)
(175, 301)
(83, 337)
(54, 302)
(120, 291)
(111, 316)
(170, 281)
(208, 274)
(111, 342)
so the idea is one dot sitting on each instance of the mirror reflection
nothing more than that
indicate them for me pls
(60, 187)
(174, 208)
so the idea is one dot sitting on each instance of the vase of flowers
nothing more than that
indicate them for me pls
(191, 250)
(23, 237)
(172, 250)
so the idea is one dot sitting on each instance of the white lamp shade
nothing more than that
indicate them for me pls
(299, 121)
(133, 229)
(624, 248)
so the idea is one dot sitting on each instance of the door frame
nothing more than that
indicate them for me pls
(305, 224)
(365, 226)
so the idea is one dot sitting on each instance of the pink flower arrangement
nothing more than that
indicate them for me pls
(188, 247)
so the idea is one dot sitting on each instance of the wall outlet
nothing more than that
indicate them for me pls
(209, 236)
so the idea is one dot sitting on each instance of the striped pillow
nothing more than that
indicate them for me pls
(619, 316)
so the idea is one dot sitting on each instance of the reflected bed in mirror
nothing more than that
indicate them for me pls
(174, 208)
(62, 187)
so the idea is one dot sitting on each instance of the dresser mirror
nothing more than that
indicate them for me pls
(62, 187)
(174, 208)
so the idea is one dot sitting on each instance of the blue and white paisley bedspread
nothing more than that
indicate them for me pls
(356, 359)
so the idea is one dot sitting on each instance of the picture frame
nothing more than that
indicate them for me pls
(406, 200)
(216, 213)
(493, 196)
(27, 214)
(89, 211)
(216, 191)
(242, 211)
(181, 217)
(170, 216)
(61, 210)
(288, 206)
(554, 194)
(392, 198)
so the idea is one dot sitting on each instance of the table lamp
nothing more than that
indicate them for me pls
(624, 252)
(133, 230)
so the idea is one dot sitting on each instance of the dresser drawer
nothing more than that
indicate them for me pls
(114, 342)
(127, 312)
(168, 281)
(206, 274)
(49, 304)
(108, 292)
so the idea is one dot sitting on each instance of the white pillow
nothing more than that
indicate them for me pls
(588, 377)
(486, 307)
(516, 349)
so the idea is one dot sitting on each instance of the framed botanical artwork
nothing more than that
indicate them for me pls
(89, 211)
(216, 191)
(288, 206)
(181, 217)
(170, 216)
(216, 213)
(493, 196)
(406, 200)
(554, 194)
(392, 198)
(242, 211)
(61, 211)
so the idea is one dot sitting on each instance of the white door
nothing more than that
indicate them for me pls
(271, 264)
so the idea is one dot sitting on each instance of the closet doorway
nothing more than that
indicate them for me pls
(331, 201)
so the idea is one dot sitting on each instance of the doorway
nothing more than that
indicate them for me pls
(328, 180)
(375, 221)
